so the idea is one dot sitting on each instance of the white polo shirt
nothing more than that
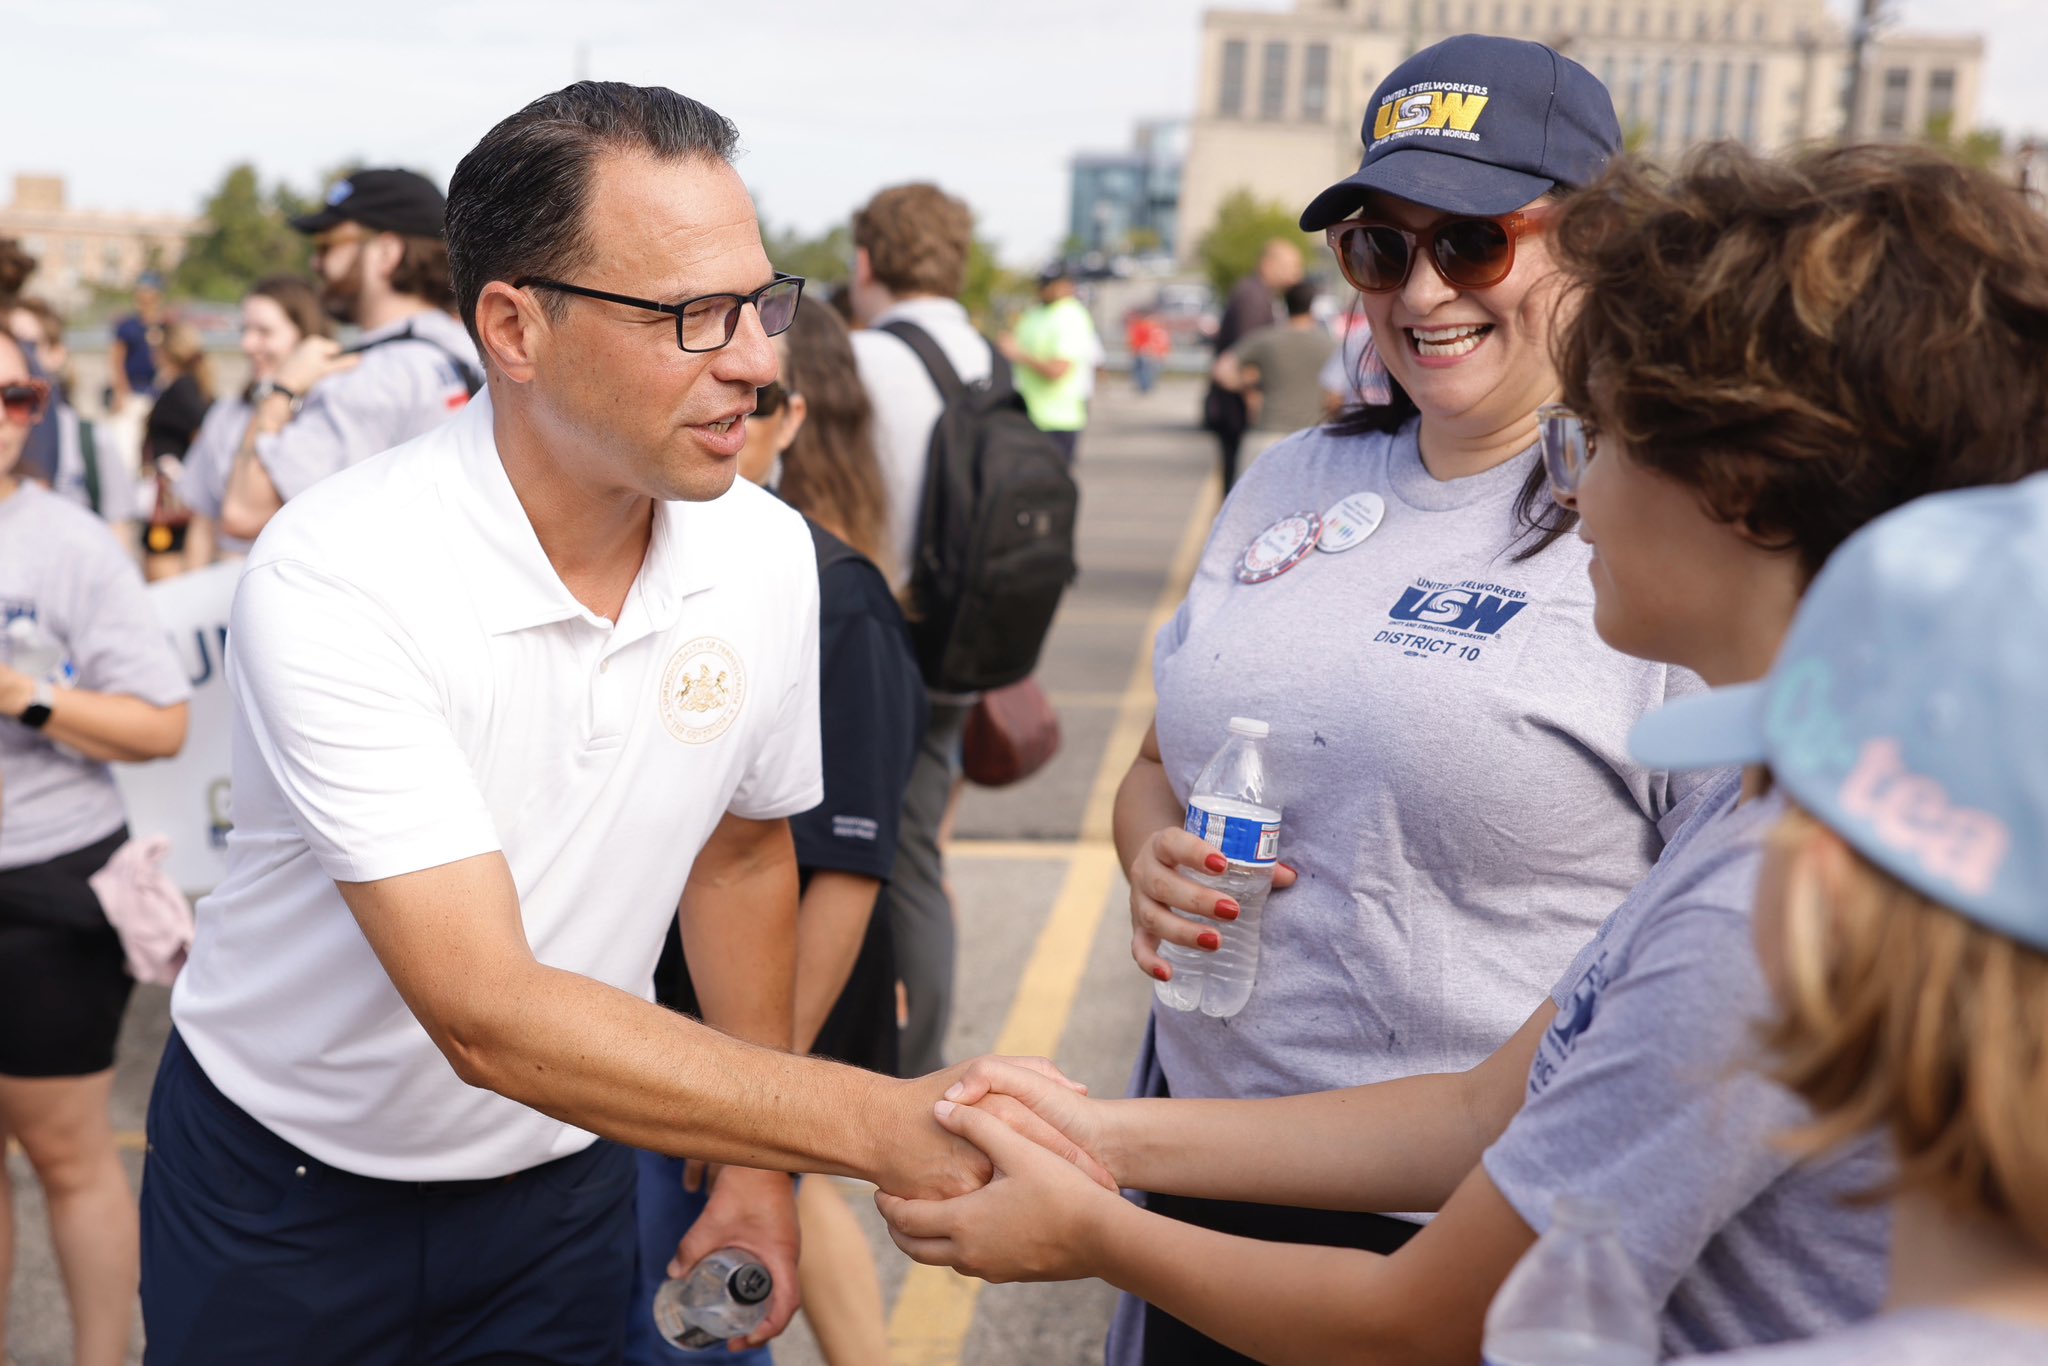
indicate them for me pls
(414, 685)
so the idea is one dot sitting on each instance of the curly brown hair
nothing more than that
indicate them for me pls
(917, 238)
(830, 470)
(1810, 341)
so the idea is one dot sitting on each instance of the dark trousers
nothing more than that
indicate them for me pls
(254, 1252)
(1069, 443)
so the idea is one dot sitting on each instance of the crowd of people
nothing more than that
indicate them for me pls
(1665, 785)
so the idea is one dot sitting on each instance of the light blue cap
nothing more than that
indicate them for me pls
(1908, 708)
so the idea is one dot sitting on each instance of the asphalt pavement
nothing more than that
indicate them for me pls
(1045, 965)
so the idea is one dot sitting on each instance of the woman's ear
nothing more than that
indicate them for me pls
(794, 411)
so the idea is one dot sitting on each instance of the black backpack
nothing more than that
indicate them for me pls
(995, 532)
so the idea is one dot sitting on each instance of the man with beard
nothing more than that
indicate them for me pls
(381, 259)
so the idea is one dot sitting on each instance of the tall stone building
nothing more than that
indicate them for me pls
(1282, 93)
(79, 249)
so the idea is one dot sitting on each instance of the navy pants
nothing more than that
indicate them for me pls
(253, 1252)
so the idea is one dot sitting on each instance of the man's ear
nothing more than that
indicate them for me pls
(863, 269)
(382, 252)
(512, 330)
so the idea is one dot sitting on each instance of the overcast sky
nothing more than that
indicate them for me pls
(142, 104)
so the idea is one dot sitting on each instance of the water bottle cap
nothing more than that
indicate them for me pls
(750, 1284)
(1585, 1214)
(1244, 725)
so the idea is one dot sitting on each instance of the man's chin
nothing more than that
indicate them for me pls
(702, 483)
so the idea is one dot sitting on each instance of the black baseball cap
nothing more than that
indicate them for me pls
(1478, 125)
(383, 201)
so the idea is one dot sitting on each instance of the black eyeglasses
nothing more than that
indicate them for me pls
(770, 398)
(1469, 253)
(708, 321)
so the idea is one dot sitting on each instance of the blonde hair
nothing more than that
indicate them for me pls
(1895, 1013)
(185, 349)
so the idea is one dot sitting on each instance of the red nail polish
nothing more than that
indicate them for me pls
(1209, 939)
(1162, 974)
(1228, 910)
(1216, 863)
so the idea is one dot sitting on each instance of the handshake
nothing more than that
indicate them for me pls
(1030, 1179)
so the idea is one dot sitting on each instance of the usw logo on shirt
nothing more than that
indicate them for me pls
(1450, 620)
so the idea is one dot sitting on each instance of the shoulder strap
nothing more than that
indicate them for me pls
(935, 363)
(939, 368)
(471, 379)
(89, 452)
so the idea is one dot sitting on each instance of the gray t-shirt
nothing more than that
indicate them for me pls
(401, 390)
(1910, 1337)
(1645, 1093)
(1290, 362)
(1449, 744)
(61, 568)
(210, 463)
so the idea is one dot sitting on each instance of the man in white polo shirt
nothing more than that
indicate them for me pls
(506, 696)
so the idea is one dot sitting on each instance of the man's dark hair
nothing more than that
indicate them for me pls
(516, 202)
(1300, 299)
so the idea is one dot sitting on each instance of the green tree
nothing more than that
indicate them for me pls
(994, 293)
(246, 238)
(824, 260)
(1229, 251)
(1983, 148)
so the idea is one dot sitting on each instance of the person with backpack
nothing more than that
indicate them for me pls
(382, 263)
(982, 509)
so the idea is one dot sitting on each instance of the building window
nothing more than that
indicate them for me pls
(1692, 103)
(1529, 17)
(1723, 78)
(1634, 103)
(1471, 14)
(1671, 23)
(1315, 82)
(1230, 89)
(1663, 132)
(1898, 82)
(1443, 14)
(1941, 94)
(1273, 81)
(1642, 21)
(1752, 95)
(1759, 24)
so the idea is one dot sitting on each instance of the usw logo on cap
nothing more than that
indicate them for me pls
(1437, 108)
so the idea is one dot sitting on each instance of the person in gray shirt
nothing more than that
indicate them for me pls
(87, 676)
(378, 249)
(1692, 467)
(1902, 916)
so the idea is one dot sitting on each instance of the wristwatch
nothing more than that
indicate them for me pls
(37, 714)
(264, 388)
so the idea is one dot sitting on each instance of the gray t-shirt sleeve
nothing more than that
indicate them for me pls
(325, 438)
(1653, 1109)
(117, 643)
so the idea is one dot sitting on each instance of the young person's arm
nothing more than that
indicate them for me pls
(831, 925)
(1395, 1145)
(1039, 1219)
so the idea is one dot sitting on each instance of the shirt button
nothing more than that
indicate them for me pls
(604, 666)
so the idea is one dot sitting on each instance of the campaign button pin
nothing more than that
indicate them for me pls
(1279, 548)
(1351, 521)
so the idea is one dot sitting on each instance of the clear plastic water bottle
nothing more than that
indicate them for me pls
(1232, 808)
(1575, 1299)
(723, 1297)
(27, 647)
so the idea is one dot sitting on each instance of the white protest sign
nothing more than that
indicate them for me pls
(187, 797)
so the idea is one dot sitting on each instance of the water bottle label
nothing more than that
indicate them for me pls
(1242, 839)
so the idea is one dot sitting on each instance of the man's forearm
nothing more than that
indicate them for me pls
(603, 1060)
(738, 917)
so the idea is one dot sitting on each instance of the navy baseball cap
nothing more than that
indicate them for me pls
(1478, 125)
(1908, 708)
(382, 201)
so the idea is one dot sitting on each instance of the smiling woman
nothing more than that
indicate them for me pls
(1441, 696)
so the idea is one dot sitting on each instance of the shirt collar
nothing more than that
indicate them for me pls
(513, 581)
(922, 310)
